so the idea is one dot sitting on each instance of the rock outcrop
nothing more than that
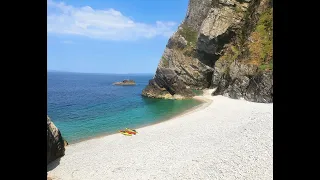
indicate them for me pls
(55, 143)
(166, 84)
(244, 81)
(126, 82)
(220, 44)
(245, 68)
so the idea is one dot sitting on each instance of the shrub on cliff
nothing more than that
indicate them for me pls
(188, 34)
(261, 45)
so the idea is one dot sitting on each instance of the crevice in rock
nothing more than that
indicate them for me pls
(209, 78)
(209, 50)
(206, 58)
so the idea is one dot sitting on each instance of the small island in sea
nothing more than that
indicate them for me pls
(126, 82)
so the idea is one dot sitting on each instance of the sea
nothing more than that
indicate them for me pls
(85, 105)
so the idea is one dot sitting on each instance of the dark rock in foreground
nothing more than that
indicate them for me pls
(55, 143)
(244, 81)
(125, 82)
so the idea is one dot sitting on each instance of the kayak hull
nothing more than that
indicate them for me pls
(128, 132)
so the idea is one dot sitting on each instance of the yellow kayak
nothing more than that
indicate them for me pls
(131, 130)
(125, 133)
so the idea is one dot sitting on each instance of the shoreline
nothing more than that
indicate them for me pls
(205, 102)
(221, 139)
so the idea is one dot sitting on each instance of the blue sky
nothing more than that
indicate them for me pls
(110, 36)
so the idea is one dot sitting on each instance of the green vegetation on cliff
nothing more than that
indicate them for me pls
(261, 45)
(265, 67)
(232, 53)
(238, 9)
(257, 47)
(188, 34)
(165, 62)
(191, 37)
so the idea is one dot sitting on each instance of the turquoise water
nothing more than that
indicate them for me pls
(84, 106)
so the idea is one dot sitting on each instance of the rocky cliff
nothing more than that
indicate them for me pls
(55, 143)
(221, 44)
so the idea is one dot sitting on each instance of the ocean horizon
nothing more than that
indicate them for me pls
(88, 105)
(104, 73)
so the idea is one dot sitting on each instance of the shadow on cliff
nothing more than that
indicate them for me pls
(53, 164)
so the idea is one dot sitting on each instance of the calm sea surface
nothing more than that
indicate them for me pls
(84, 105)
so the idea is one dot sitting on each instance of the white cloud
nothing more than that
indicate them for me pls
(107, 24)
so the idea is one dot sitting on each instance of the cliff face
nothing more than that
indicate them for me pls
(222, 44)
(55, 143)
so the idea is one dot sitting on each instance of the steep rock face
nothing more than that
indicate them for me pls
(55, 143)
(167, 85)
(192, 55)
(245, 69)
(244, 81)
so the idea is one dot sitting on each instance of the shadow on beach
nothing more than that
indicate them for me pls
(53, 164)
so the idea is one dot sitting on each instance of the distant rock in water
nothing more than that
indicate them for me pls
(125, 82)
(55, 143)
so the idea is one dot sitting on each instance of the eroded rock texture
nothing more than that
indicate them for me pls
(217, 46)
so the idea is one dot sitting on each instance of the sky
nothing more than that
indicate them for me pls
(110, 36)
